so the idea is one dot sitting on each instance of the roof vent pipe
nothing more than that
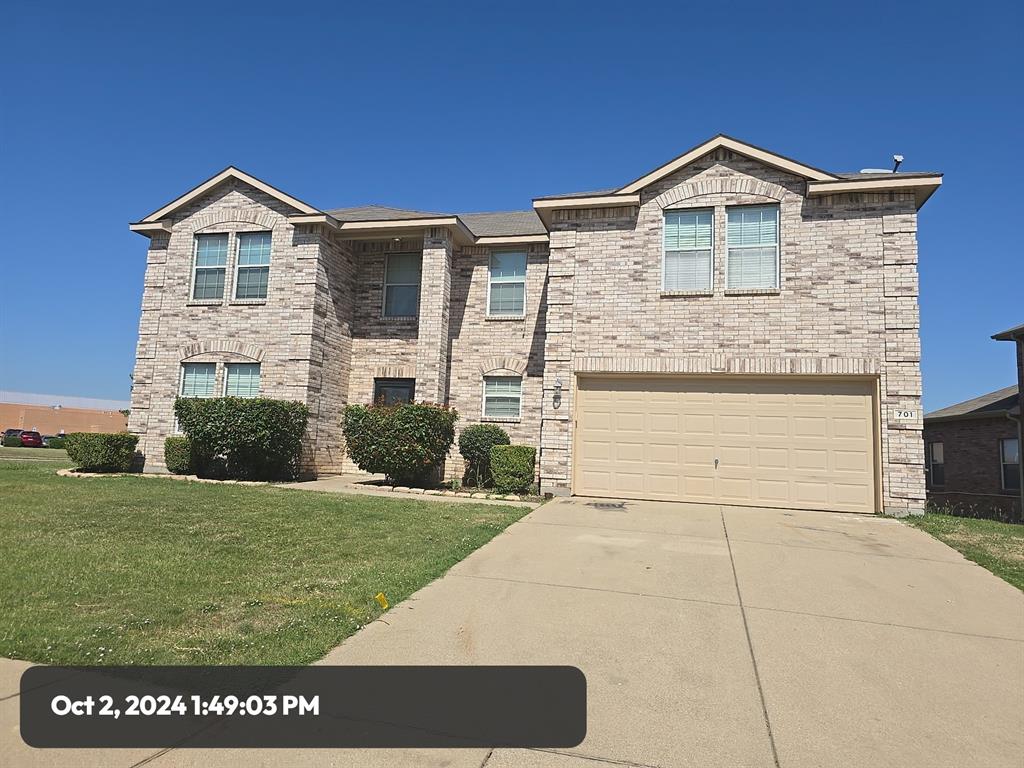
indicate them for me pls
(896, 159)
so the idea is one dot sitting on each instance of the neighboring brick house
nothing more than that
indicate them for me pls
(972, 455)
(734, 326)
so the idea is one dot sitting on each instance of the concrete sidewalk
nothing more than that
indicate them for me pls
(710, 636)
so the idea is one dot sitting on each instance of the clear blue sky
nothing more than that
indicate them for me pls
(107, 115)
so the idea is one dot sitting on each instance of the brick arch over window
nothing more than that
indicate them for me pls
(717, 186)
(513, 365)
(221, 347)
(261, 219)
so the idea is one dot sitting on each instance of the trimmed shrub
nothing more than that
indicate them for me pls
(243, 438)
(102, 452)
(475, 443)
(12, 441)
(406, 442)
(55, 442)
(512, 467)
(178, 455)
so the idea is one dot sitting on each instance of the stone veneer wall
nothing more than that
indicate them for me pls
(847, 303)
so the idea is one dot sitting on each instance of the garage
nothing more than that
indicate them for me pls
(804, 443)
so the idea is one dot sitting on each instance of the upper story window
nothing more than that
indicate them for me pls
(503, 397)
(688, 251)
(506, 292)
(211, 262)
(401, 284)
(242, 380)
(253, 270)
(935, 466)
(198, 379)
(752, 240)
(1009, 463)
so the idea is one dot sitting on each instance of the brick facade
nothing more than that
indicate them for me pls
(847, 306)
(972, 466)
(847, 303)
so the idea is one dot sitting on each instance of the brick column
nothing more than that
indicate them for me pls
(902, 443)
(435, 294)
(556, 426)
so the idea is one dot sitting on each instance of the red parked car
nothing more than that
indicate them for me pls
(31, 440)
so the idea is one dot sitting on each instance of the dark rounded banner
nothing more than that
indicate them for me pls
(318, 706)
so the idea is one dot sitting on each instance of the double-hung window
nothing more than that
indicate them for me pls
(506, 295)
(503, 397)
(1009, 463)
(752, 241)
(253, 265)
(242, 380)
(211, 262)
(198, 379)
(935, 466)
(688, 251)
(401, 284)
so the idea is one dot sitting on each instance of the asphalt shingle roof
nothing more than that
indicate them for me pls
(992, 404)
(487, 224)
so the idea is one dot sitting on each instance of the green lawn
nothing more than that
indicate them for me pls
(51, 454)
(999, 547)
(148, 571)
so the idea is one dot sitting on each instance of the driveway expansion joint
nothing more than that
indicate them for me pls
(750, 643)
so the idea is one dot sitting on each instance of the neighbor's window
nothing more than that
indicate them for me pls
(934, 465)
(393, 391)
(503, 397)
(752, 239)
(507, 284)
(688, 248)
(253, 265)
(197, 379)
(1009, 462)
(401, 284)
(211, 261)
(242, 380)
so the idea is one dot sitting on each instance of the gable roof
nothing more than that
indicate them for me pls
(993, 404)
(819, 182)
(721, 141)
(228, 173)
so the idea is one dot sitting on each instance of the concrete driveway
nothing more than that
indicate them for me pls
(714, 636)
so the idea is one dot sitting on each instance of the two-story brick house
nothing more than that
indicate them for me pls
(732, 327)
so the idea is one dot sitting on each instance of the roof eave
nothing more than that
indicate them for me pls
(923, 187)
(1000, 414)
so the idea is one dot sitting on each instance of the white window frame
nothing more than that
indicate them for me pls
(384, 290)
(1003, 463)
(181, 387)
(664, 251)
(227, 370)
(483, 397)
(491, 282)
(228, 289)
(238, 262)
(778, 247)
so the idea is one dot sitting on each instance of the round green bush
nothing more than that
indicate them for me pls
(512, 467)
(407, 442)
(12, 441)
(178, 455)
(55, 442)
(102, 452)
(475, 443)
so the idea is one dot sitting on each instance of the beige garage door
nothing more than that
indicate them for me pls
(762, 441)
